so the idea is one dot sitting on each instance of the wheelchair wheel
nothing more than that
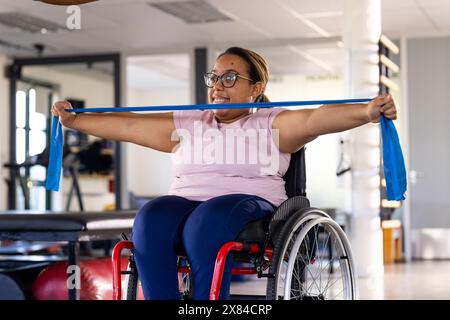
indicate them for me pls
(312, 260)
(185, 285)
(184, 280)
(131, 282)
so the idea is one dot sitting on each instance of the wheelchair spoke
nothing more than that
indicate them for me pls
(325, 245)
(330, 285)
(316, 258)
(340, 292)
(313, 282)
(306, 264)
(310, 287)
(330, 263)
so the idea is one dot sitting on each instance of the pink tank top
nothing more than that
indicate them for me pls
(215, 159)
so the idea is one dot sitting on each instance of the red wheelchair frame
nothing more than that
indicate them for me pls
(218, 267)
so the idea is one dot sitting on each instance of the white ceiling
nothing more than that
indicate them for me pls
(294, 35)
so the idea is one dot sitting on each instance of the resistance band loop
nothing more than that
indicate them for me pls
(394, 166)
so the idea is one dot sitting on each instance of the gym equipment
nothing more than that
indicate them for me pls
(10, 290)
(95, 281)
(68, 227)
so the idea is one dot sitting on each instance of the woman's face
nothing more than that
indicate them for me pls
(243, 91)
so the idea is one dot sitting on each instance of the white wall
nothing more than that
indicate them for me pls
(96, 92)
(4, 132)
(322, 185)
(428, 95)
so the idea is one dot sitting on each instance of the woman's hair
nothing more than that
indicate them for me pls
(258, 69)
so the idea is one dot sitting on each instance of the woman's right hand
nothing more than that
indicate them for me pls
(66, 118)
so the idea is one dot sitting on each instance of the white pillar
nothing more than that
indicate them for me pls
(362, 29)
(125, 197)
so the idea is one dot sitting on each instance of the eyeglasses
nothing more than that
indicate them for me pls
(227, 79)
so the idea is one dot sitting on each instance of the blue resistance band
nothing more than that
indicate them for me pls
(209, 106)
(394, 166)
(56, 155)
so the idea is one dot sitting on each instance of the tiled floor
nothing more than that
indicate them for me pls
(415, 280)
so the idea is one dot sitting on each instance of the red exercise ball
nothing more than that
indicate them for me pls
(96, 276)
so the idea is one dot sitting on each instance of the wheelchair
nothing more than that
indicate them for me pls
(301, 250)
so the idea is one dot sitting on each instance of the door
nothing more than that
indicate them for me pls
(429, 118)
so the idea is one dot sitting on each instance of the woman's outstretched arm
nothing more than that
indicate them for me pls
(153, 130)
(298, 127)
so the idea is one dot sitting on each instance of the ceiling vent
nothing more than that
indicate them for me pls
(193, 11)
(27, 23)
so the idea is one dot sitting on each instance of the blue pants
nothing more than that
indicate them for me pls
(202, 227)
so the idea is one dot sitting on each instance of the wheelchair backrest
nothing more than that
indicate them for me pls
(295, 176)
(295, 185)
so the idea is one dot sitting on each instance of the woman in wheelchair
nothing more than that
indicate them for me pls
(229, 167)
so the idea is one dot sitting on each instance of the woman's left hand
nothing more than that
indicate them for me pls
(382, 104)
